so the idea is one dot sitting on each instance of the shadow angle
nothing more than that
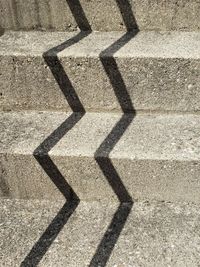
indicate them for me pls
(42, 245)
(113, 231)
(41, 153)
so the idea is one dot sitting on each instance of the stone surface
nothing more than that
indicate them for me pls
(160, 71)
(155, 234)
(100, 15)
(157, 157)
(153, 158)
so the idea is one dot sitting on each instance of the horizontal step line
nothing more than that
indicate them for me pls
(148, 137)
(148, 44)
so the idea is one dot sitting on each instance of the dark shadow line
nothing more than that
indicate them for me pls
(109, 63)
(127, 14)
(113, 231)
(56, 135)
(60, 75)
(56, 177)
(50, 234)
(122, 41)
(79, 15)
(44, 160)
(111, 235)
(66, 44)
(105, 163)
(5, 189)
(114, 136)
(114, 75)
(2, 31)
(42, 157)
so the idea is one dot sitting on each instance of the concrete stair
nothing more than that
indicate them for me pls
(110, 15)
(155, 234)
(157, 157)
(100, 122)
(150, 66)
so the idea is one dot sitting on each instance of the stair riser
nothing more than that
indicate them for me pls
(166, 84)
(101, 15)
(169, 180)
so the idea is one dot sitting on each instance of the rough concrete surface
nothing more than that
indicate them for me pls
(155, 234)
(157, 157)
(160, 71)
(100, 15)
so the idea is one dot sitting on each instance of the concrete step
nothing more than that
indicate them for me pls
(100, 156)
(100, 71)
(156, 234)
(110, 15)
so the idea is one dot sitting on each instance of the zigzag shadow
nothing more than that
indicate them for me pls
(44, 160)
(41, 152)
(109, 63)
(110, 238)
(112, 234)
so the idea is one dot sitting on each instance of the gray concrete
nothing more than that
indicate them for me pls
(101, 15)
(161, 71)
(155, 234)
(158, 157)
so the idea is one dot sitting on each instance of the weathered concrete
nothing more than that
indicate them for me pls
(155, 234)
(101, 15)
(158, 156)
(161, 71)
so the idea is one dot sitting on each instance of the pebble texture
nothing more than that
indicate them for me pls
(97, 160)
(155, 234)
(100, 15)
(157, 157)
(159, 71)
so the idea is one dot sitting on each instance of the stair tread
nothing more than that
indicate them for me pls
(155, 234)
(145, 44)
(159, 71)
(149, 136)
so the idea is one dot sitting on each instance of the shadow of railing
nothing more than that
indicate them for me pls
(41, 152)
(109, 63)
(79, 15)
(128, 17)
(112, 234)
